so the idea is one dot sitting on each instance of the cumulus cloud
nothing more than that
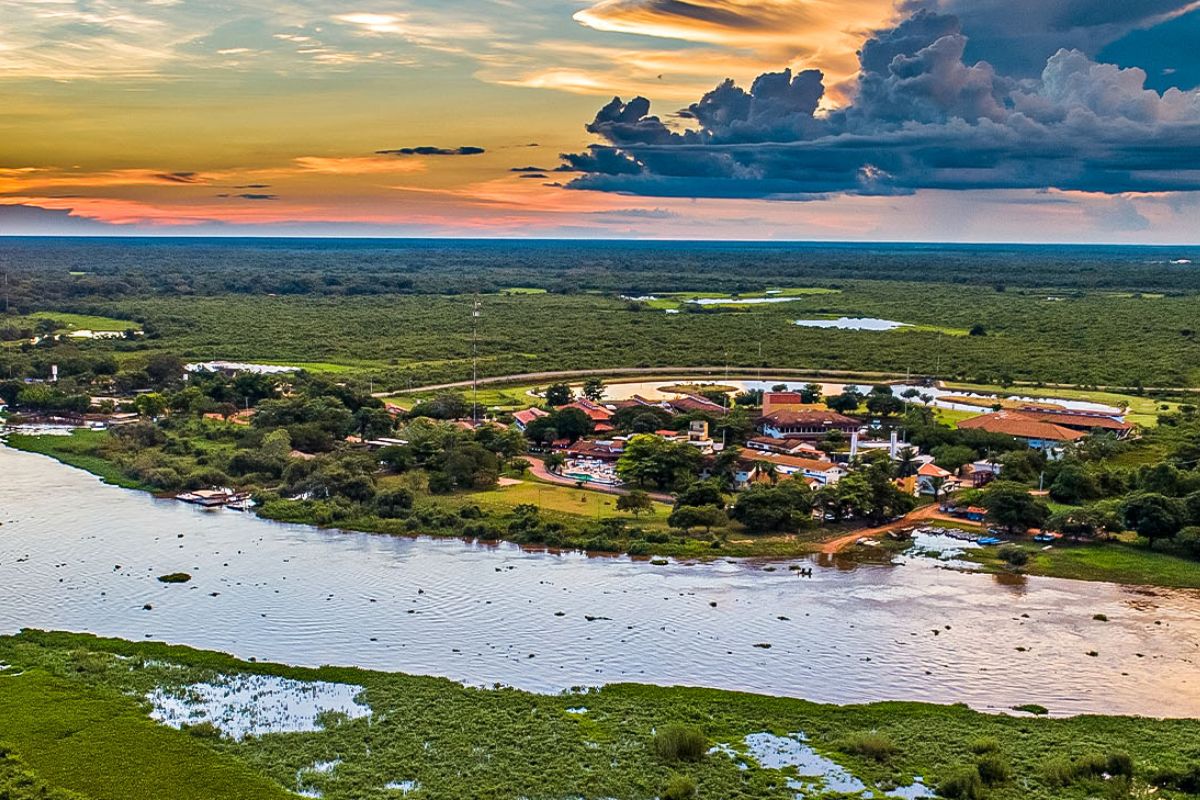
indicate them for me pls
(924, 116)
(432, 151)
(1017, 36)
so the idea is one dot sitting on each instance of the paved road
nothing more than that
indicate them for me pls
(718, 372)
(917, 517)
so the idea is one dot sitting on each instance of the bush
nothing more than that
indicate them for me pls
(393, 503)
(1119, 764)
(679, 787)
(873, 745)
(1058, 771)
(175, 577)
(1185, 780)
(994, 770)
(680, 743)
(1013, 555)
(964, 784)
(985, 745)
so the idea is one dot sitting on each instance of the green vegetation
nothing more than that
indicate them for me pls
(1114, 562)
(93, 741)
(81, 449)
(65, 321)
(628, 741)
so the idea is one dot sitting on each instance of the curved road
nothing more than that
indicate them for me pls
(915, 517)
(718, 372)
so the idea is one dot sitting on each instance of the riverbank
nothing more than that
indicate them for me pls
(438, 739)
(577, 510)
(575, 515)
(1110, 562)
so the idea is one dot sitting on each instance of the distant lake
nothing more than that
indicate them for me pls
(853, 324)
(81, 556)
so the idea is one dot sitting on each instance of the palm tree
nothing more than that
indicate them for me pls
(908, 462)
(936, 483)
(555, 462)
(769, 470)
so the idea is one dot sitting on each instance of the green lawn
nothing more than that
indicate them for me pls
(75, 322)
(563, 500)
(1114, 562)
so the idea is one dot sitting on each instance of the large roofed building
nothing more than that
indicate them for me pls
(1048, 437)
(807, 424)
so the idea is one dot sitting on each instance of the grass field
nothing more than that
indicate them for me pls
(1114, 562)
(565, 500)
(97, 742)
(75, 322)
(453, 742)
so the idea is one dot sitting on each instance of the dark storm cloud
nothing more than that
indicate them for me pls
(924, 117)
(432, 151)
(1017, 36)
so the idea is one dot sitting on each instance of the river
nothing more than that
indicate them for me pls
(78, 555)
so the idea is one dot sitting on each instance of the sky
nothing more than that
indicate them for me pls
(880, 120)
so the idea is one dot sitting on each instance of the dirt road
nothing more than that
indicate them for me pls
(924, 514)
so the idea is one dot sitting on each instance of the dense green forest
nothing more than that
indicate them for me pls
(396, 312)
(1087, 338)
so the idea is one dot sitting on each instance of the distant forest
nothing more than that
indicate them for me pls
(58, 271)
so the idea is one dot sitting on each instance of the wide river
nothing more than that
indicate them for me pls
(78, 555)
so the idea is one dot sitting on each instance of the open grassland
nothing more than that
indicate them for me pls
(407, 340)
(566, 500)
(75, 322)
(99, 743)
(451, 741)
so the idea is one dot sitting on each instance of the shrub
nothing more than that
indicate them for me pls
(1013, 555)
(679, 787)
(964, 784)
(1185, 780)
(1119, 764)
(994, 770)
(985, 745)
(680, 743)
(393, 503)
(873, 745)
(1058, 771)
(175, 577)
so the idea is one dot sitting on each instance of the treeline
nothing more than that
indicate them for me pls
(65, 271)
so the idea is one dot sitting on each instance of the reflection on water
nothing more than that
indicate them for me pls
(78, 555)
(853, 324)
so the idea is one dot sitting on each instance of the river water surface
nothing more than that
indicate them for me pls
(78, 555)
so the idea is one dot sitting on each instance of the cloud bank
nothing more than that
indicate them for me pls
(923, 117)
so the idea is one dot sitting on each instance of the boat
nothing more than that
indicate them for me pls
(987, 540)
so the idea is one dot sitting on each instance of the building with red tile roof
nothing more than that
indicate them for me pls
(522, 419)
(807, 424)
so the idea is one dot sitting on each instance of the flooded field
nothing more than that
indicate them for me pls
(81, 556)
